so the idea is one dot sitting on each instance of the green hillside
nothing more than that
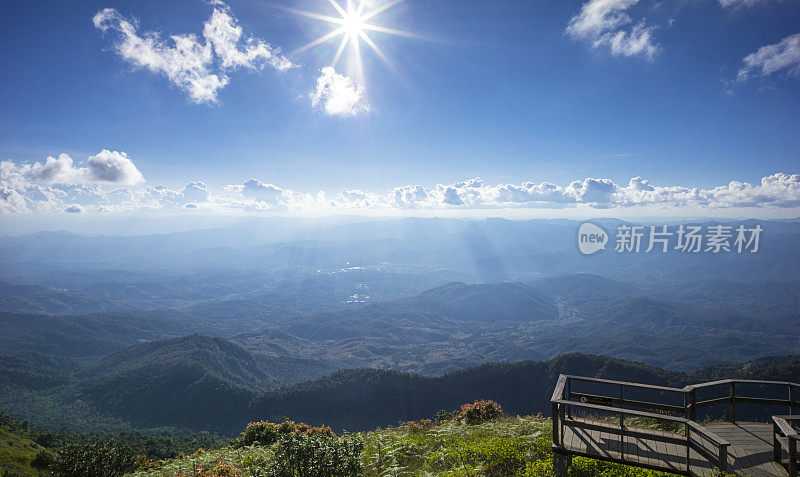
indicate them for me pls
(17, 449)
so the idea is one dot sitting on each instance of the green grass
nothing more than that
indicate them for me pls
(518, 446)
(16, 454)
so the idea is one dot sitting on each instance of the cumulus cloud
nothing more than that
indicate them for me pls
(200, 68)
(74, 209)
(254, 194)
(195, 192)
(781, 56)
(338, 95)
(111, 167)
(603, 23)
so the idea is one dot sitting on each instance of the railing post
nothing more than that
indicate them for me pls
(723, 458)
(733, 402)
(791, 401)
(776, 444)
(568, 397)
(688, 448)
(693, 404)
(792, 457)
(561, 463)
(556, 440)
(621, 426)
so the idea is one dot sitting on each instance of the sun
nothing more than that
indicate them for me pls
(353, 26)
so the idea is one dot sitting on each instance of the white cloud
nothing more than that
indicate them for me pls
(11, 201)
(200, 68)
(740, 3)
(603, 21)
(338, 95)
(74, 209)
(637, 41)
(23, 190)
(195, 192)
(106, 166)
(781, 56)
(113, 167)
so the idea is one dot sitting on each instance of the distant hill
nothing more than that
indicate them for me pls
(189, 377)
(92, 335)
(582, 288)
(44, 300)
(217, 356)
(421, 316)
(776, 368)
(486, 302)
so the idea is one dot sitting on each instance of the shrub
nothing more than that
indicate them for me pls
(318, 455)
(480, 411)
(265, 433)
(219, 468)
(42, 461)
(421, 426)
(445, 415)
(99, 459)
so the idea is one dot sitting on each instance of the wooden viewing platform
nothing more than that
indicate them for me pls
(657, 427)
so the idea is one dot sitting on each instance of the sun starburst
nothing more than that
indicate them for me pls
(353, 25)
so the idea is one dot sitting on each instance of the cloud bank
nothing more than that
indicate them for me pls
(199, 68)
(604, 22)
(111, 182)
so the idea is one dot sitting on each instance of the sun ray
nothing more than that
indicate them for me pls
(391, 31)
(380, 9)
(342, 46)
(357, 59)
(339, 8)
(320, 40)
(377, 50)
(303, 13)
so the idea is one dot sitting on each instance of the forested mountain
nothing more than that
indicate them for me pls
(191, 378)
(87, 335)
(203, 383)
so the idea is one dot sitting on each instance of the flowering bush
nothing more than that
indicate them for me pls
(480, 411)
(265, 433)
(422, 425)
(219, 468)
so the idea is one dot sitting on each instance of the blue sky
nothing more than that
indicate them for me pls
(511, 92)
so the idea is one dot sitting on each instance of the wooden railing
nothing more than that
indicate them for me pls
(782, 429)
(565, 401)
(731, 397)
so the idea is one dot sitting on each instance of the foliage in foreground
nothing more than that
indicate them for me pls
(448, 447)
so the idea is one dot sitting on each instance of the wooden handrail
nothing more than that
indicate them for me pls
(708, 434)
(558, 392)
(624, 383)
(619, 410)
(782, 426)
(742, 381)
